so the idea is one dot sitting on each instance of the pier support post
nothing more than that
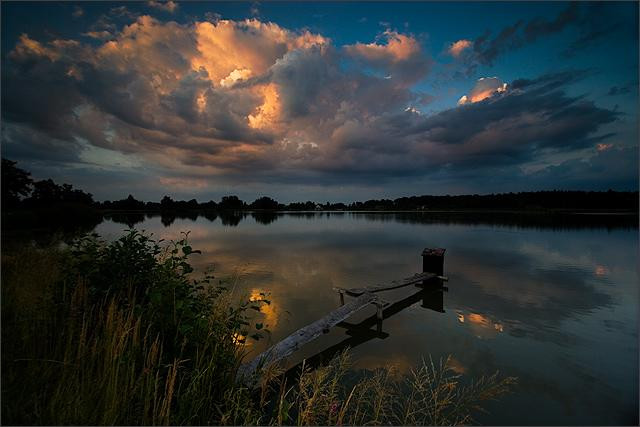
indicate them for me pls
(341, 291)
(380, 305)
(433, 262)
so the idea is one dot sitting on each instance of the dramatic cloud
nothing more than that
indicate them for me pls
(486, 48)
(484, 88)
(591, 20)
(249, 101)
(401, 57)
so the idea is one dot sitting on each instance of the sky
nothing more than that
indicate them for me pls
(325, 101)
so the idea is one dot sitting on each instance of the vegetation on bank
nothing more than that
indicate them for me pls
(125, 333)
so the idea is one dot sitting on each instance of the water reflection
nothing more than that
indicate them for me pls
(556, 221)
(555, 305)
(264, 217)
(359, 333)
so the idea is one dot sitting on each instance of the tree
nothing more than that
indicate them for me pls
(266, 203)
(231, 203)
(46, 191)
(167, 203)
(16, 184)
(130, 203)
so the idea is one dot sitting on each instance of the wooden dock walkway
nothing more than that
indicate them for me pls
(433, 260)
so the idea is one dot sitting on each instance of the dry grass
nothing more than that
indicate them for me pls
(432, 394)
(69, 357)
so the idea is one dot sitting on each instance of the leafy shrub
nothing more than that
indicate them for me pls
(125, 333)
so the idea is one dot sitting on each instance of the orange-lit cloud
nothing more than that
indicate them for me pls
(483, 89)
(399, 47)
(269, 311)
(268, 112)
(100, 35)
(226, 100)
(481, 324)
(401, 57)
(604, 147)
(247, 48)
(27, 47)
(458, 47)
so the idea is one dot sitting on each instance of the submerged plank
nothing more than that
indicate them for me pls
(304, 335)
(417, 278)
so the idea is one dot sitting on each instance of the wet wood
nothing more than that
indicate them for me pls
(360, 333)
(433, 260)
(415, 279)
(304, 335)
(433, 268)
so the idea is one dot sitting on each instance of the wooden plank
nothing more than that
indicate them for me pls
(302, 336)
(417, 278)
(433, 297)
(360, 333)
(310, 332)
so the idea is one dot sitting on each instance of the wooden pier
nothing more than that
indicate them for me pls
(430, 278)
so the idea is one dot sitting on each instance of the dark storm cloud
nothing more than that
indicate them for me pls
(486, 48)
(512, 127)
(247, 101)
(613, 167)
(592, 20)
(597, 22)
(24, 143)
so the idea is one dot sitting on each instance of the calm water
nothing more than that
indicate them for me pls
(555, 306)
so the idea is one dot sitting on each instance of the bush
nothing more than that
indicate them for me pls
(126, 333)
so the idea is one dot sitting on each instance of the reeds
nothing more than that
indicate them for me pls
(432, 394)
(121, 334)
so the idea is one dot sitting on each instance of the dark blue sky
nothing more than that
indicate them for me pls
(330, 101)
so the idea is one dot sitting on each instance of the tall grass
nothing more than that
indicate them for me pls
(121, 333)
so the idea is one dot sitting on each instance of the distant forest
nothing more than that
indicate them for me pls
(21, 192)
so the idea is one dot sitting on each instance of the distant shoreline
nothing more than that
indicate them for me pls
(426, 211)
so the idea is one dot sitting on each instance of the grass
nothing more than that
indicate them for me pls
(122, 333)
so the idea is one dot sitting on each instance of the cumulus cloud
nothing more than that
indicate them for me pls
(401, 56)
(456, 49)
(483, 89)
(252, 101)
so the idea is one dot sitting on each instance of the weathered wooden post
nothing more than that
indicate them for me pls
(433, 261)
(379, 315)
(341, 291)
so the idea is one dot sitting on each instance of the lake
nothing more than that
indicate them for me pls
(554, 304)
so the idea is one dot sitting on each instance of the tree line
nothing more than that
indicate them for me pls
(20, 191)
